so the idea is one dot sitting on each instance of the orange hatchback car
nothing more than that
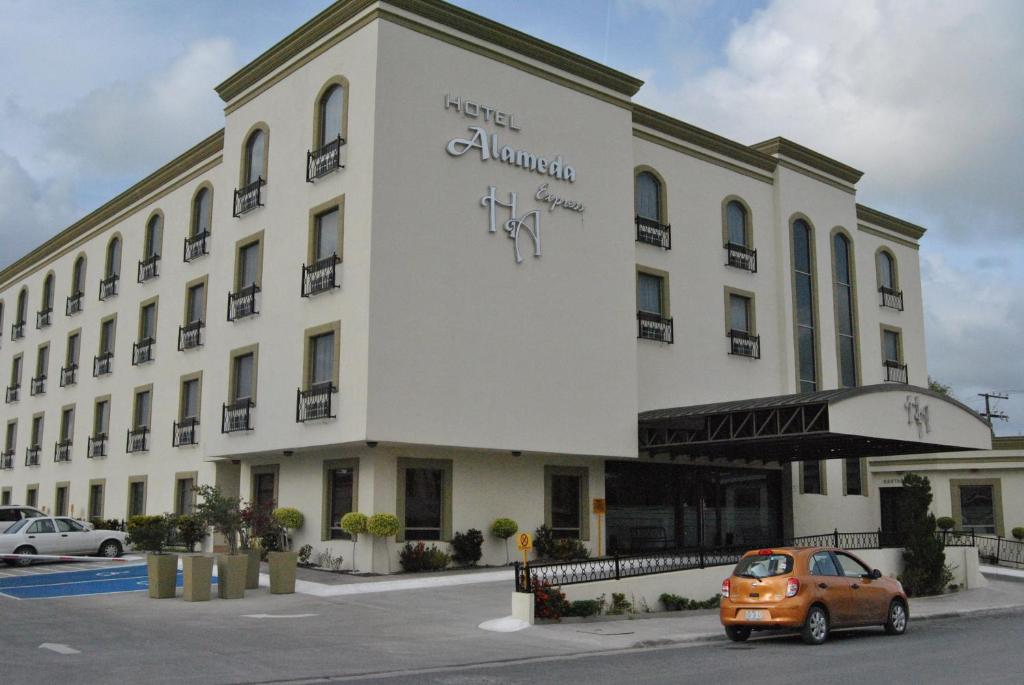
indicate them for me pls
(811, 589)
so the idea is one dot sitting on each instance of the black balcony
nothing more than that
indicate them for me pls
(97, 446)
(13, 393)
(44, 317)
(18, 330)
(743, 344)
(186, 432)
(236, 416)
(893, 299)
(108, 286)
(190, 335)
(62, 451)
(315, 403)
(248, 198)
(138, 440)
(243, 303)
(149, 268)
(651, 326)
(142, 351)
(741, 257)
(324, 160)
(32, 455)
(68, 375)
(195, 246)
(74, 304)
(103, 364)
(653, 233)
(320, 276)
(895, 371)
(6, 460)
(37, 386)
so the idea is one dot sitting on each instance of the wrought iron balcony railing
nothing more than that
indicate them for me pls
(32, 455)
(18, 330)
(652, 326)
(653, 233)
(138, 440)
(149, 268)
(190, 335)
(236, 416)
(324, 160)
(195, 246)
(97, 446)
(44, 317)
(320, 276)
(62, 451)
(895, 371)
(74, 303)
(142, 351)
(744, 344)
(6, 460)
(243, 303)
(68, 375)
(103, 364)
(13, 393)
(108, 286)
(315, 403)
(893, 299)
(38, 385)
(741, 257)
(186, 432)
(248, 198)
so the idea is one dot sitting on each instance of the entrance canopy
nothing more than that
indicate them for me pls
(869, 421)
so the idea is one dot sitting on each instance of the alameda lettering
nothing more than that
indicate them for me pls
(490, 148)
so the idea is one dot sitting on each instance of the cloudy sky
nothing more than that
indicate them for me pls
(926, 97)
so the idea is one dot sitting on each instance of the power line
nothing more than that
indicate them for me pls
(988, 413)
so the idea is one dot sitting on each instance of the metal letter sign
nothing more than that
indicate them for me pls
(917, 414)
(514, 223)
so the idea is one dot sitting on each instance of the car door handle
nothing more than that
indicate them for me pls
(823, 585)
(63, 535)
(31, 537)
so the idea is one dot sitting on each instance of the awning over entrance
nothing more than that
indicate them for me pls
(869, 421)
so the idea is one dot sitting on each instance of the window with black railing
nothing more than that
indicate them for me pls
(108, 286)
(102, 364)
(18, 330)
(190, 335)
(895, 371)
(248, 197)
(237, 416)
(741, 257)
(195, 246)
(13, 393)
(62, 451)
(32, 455)
(74, 304)
(315, 403)
(149, 268)
(97, 446)
(242, 303)
(137, 440)
(44, 317)
(891, 298)
(185, 432)
(6, 460)
(324, 160)
(653, 326)
(320, 276)
(37, 386)
(68, 375)
(652, 232)
(142, 351)
(744, 344)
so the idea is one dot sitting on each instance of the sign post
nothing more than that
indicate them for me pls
(600, 507)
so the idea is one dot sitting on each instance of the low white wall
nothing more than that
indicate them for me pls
(699, 584)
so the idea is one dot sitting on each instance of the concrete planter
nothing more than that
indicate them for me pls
(231, 571)
(198, 571)
(282, 572)
(252, 571)
(162, 574)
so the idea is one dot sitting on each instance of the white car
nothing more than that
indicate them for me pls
(9, 513)
(58, 535)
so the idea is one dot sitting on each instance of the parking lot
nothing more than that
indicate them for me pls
(55, 580)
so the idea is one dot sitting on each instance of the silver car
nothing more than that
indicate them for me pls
(58, 536)
(9, 513)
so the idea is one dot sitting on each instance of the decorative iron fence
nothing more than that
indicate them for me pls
(97, 446)
(32, 455)
(741, 257)
(44, 317)
(248, 198)
(324, 160)
(185, 432)
(190, 335)
(195, 246)
(320, 276)
(236, 416)
(993, 549)
(743, 344)
(654, 327)
(895, 372)
(654, 233)
(62, 451)
(13, 393)
(315, 403)
(108, 286)
(6, 460)
(74, 304)
(149, 268)
(243, 303)
(137, 440)
(37, 386)
(18, 330)
(103, 364)
(142, 351)
(891, 298)
(68, 375)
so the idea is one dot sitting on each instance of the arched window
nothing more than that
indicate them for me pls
(78, 276)
(48, 293)
(647, 196)
(113, 265)
(842, 267)
(886, 270)
(255, 156)
(154, 236)
(803, 306)
(22, 306)
(202, 214)
(736, 223)
(330, 115)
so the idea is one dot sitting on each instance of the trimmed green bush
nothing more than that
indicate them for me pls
(466, 547)
(191, 531)
(503, 529)
(106, 524)
(583, 608)
(419, 557)
(382, 525)
(548, 546)
(354, 523)
(619, 605)
(676, 603)
(149, 533)
(1018, 532)
(945, 523)
(288, 517)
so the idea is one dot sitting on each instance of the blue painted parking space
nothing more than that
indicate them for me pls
(78, 583)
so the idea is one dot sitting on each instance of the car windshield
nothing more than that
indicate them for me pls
(17, 526)
(764, 565)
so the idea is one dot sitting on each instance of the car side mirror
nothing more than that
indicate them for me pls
(875, 574)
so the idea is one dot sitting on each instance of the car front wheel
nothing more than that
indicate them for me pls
(737, 633)
(111, 549)
(815, 630)
(896, 624)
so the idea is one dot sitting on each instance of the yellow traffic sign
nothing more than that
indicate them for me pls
(524, 542)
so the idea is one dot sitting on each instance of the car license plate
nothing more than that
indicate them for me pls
(755, 615)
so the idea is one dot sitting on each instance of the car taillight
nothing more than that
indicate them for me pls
(764, 552)
(726, 585)
(792, 587)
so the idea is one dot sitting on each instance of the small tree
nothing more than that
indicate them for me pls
(353, 523)
(149, 533)
(288, 519)
(1018, 532)
(220, 512)
(924, 571)
(191, 531)
(504, 529)
(383, 526)
(260, 529)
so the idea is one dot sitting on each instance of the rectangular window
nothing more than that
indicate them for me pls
(811, 478)
(147, 322)
(566, 505)
(424, 490)
(37, 431)
(263, 488)
(891, 345)
(184, 498)
(74, 348)
(196, 303)
(190, 399)
(5, 497)
(11, 438)
(67, 424)
(243, 369)
(248, 265)
(977, 508)
(340, 499)
(60, 503)
(95, 501)
(136, 497)
(739, 313)
(325, 235)
(649, 295)
(321, 359)
(804, 310)
(107, 329)
(142, 410)
(32, 496)
(16, 371)
(101, 417)
(854, 484)
(42, 361)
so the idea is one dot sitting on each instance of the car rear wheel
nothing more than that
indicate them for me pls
(896, 624)
(737, 633)
(111, 549)
(815, 630)
(24, 561)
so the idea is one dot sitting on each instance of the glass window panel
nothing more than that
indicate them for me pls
(78, 281)
(114, 257)
(844, 313)
(12, 436)
(143, 401)
(812, 477)
(736, 218)
(885, 270)
(243, 376)
(739, 313)
(648, 196)
(95, 501)
(805, 346)
(847, 362)
(340, 489)
(201, 212)
(154, 229)
(649, 293)
(136, 498)
(67, 424)
(48, 293)
(264, 488)
(183, 498)
(801, 246)
(823, 565)
(804, 300)
(423, 502)
(42, 361)
(37, 431)
(327, 234)
(248, 261)
(891, 345)
(107, 336)
(255, 153)
(565, 504)
(977, 508)
(148, 327)
(330, 114)
(16, 371)
(101, 417)
(196, 300)
(322, 359)
(74, 345)
(853, 482)
(190, 399)
(46, 525)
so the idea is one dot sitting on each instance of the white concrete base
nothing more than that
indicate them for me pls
(522, 607)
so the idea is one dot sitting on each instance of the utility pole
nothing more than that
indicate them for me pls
(988, 413)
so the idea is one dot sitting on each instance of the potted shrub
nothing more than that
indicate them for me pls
(260, 536)
(288, 519)
(383, 526)
(1018, 533)
(149, 534)
(945, 523)
(504, 529)
(354, 523)
(222, 513)
(283, 563)
(197, 569)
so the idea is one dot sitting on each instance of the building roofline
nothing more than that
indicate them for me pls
(168, 172)
(887, 221)
(433, 10)
(1008, 442)
(805, 155)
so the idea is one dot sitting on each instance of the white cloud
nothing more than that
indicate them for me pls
(32, 211)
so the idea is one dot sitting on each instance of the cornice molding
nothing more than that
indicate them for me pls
(889, 222)
(798, 153)
(1010, 442)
